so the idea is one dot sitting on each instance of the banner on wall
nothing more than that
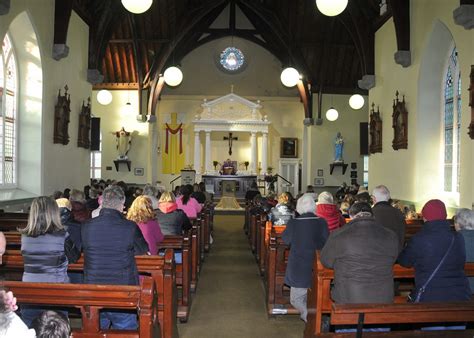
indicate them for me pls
(173, 154)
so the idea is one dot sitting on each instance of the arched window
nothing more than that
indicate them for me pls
(8, 111)
(452, 123)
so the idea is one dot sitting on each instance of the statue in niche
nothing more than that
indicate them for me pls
(83, 139)
(375, 131)
(123, 139)
(62, 111)
(400, 124)
(338, 148)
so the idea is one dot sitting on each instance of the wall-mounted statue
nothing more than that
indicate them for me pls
(83, 136)
(375, 131)
(123, 139)
(399, 124)
(61, 117)
(338, 148)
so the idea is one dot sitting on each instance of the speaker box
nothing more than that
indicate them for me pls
(364, 138)
(95, 133)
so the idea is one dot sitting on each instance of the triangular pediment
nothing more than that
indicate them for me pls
(231, 107)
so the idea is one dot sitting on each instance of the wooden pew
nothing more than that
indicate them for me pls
(12, 224)
(160, 268)
(319, 300)
(91, 298)
(408, 313)
(183, 270)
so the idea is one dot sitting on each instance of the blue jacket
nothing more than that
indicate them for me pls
(305, 234)
(424, 252)
(110, 243)
(469, 241)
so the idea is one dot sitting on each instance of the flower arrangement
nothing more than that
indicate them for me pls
(215, 164)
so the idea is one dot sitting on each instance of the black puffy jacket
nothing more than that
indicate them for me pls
(110, 243)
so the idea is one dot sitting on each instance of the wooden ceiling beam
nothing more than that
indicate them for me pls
(62, 15)
(138, 58)
(401, 20)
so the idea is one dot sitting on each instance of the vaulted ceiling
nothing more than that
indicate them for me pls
(332, 53)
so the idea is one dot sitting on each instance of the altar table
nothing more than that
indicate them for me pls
(242, 184)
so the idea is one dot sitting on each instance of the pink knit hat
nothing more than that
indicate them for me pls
(434, 210)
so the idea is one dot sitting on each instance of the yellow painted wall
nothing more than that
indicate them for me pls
(415, 174)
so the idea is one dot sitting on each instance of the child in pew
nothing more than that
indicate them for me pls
(52, 324)
(11, 326)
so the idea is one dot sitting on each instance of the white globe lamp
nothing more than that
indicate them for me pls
(104, 97)
(332, 114)
(173, 76)
(356, 101)
(331, 7)
(289, 77)
(137, 6)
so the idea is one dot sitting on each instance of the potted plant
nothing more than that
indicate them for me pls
(215, 163)
(246, 164)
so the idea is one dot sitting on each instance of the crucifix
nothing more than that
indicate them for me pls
(230, 139)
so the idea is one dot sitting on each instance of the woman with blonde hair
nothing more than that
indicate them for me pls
(172, 220)
(141, 212)
(46, 248)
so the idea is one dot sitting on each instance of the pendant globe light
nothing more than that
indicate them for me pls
(356, 101)
(331, 7)
(137, 6)
(173, 76)
(104, 97)
(289, 77)
(332, 114)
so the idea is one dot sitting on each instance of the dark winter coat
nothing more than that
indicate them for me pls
(110, 243)
(469, 242)
(392, 219)
(304, 234)
(172, 221)
(72, 227)
(362, 254)
(424, 252)
(281, 214)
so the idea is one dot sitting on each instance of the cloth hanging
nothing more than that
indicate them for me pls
(174, 132)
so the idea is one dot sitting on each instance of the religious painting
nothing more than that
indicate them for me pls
(375, 129)
(138, 171)
(289, 147)
(62, 111)
(83, 135)
(399, 124)
(320, 172)
(319, 182)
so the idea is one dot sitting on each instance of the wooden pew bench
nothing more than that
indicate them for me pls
(407, 313)
(160, 268)
(319, 300)
(90, 299)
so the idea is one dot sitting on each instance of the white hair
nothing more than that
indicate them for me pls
(305, 204)
(381, 193)
(325, 198)
(465, 219)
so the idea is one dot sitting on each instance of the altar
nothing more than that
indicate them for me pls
(221, 185)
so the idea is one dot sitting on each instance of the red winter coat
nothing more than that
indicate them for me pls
(331, 214)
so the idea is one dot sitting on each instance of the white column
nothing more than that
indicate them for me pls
(304, 155)
(264, 152)
(207, 158)
(197, 152)
(253, 152)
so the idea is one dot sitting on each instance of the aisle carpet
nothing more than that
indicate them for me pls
(230, 297)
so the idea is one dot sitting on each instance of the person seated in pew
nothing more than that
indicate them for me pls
(110, 243)
(252, 192)
(46, 248)
(151, 192)
(141, 212)
(304, 234)
(362, 254)
(52, 324)
(3, 245)
(198, 194)
(281, 213)
(464, 223)
(326, 209)
(79, 210)
(386, 215)
(208, 195)
(187, 203)
(11, 326)
(92, 202)
(173, 221)
(426, 249)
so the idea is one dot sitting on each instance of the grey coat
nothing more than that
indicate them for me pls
(469, 242)
(362, 254)
(392, 219)
(44, 258)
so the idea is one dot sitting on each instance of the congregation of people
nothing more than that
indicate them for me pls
(109, 224)
(361, 235)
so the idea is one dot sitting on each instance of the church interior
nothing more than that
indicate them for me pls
(231, 92)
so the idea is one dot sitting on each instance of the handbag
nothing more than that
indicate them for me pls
(415, 295)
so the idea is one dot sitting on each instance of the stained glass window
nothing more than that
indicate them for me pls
(452, 123)
(232, 59)
(8, 114)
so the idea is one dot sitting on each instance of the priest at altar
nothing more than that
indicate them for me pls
(229, 167)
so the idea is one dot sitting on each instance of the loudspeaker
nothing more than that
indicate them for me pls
(364, 138)
(95, 133)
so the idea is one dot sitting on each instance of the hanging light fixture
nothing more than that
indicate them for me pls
(356, 101)
(289, 77)
(331, 7)
(332, 114)
(173, 76)
(104, 97)
(137, 6)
